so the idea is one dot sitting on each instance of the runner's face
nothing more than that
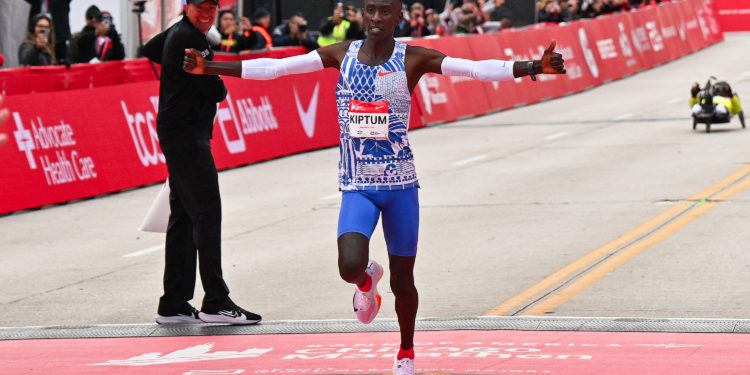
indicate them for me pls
(202, 16)
(380, 18)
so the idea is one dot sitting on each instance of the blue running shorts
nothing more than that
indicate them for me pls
(360, 210)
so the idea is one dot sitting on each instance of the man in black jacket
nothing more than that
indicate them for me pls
(98, 40)
(187, 106)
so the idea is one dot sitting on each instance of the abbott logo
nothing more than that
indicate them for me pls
(307, 116)
(627, 50)
(143, 132)
(588, 54)
(24, 140)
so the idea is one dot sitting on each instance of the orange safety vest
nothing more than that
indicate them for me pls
(266, 35)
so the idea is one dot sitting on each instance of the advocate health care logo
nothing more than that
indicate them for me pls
(51, 149)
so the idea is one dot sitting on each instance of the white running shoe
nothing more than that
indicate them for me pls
(367, 304)
(403, 366)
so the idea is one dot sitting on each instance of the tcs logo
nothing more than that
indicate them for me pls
(142, 126)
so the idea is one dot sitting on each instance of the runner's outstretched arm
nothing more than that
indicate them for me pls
(266, 68)
(432, 61)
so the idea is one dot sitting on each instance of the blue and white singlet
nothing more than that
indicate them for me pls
(375, 163)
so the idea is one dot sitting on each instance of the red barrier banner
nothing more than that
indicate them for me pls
(696, 35)
(75, 145)
(668, 24)
(261, 120)
(468, 100)
(733, 15)
(501, 95)
(36, 79)
(274, 53)
(717, 35)
(614, 50)
(579, 50)
(434, 93)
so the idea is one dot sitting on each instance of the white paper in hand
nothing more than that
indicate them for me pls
(157, 216)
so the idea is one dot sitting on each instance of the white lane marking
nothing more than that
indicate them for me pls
(675, 100)
(332, 196)
(745, 74)
(555, 136)
(144, 251)
(469, 160)
(623, 116)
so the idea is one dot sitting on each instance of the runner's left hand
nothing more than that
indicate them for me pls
(552, 62)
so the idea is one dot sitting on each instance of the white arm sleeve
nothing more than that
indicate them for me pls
(272, 68)
(483, 70)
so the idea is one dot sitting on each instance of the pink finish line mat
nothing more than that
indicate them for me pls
(445, 352)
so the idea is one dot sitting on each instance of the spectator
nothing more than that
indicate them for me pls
(38, 47)
(554, 11)
(590, 8)
(445, 18)
(261, 23)
(575, 9)
(232, 40)
(294, 33)
(467, 17)
(97, 41)
(354, 17)
(432, 22)
(417, 24)
(334, 28)
(501, 13)
(59, 11)
(402, 28)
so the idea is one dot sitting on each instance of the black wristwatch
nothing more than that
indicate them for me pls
(530, 67)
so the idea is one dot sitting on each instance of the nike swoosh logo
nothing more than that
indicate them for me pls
(232, 314)
(307, 116)
(383, 74)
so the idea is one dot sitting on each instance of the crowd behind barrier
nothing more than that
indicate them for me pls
(38, 79)
(79, 143)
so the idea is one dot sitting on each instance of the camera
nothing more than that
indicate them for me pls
(139, 6)
(302, 27)
(107, 19)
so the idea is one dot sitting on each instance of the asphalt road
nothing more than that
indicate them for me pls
(601, 204)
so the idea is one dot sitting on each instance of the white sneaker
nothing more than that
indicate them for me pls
(403, 366)
(367, 304)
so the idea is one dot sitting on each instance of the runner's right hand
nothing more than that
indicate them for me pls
(194, 62)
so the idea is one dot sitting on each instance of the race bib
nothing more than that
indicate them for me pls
(368, 119)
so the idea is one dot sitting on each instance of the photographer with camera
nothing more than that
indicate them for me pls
(334, 28)
(232, 38)
(467, 17)
(555, 11)
(38, 47)
(417, 24)
(294, 33)
(97, 41)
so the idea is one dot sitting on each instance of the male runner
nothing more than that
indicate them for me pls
(376, 170)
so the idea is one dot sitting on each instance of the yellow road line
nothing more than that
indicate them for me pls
(732, 178)
(598, 272)
(560, 275)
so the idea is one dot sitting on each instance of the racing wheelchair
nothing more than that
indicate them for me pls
(715, 103)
